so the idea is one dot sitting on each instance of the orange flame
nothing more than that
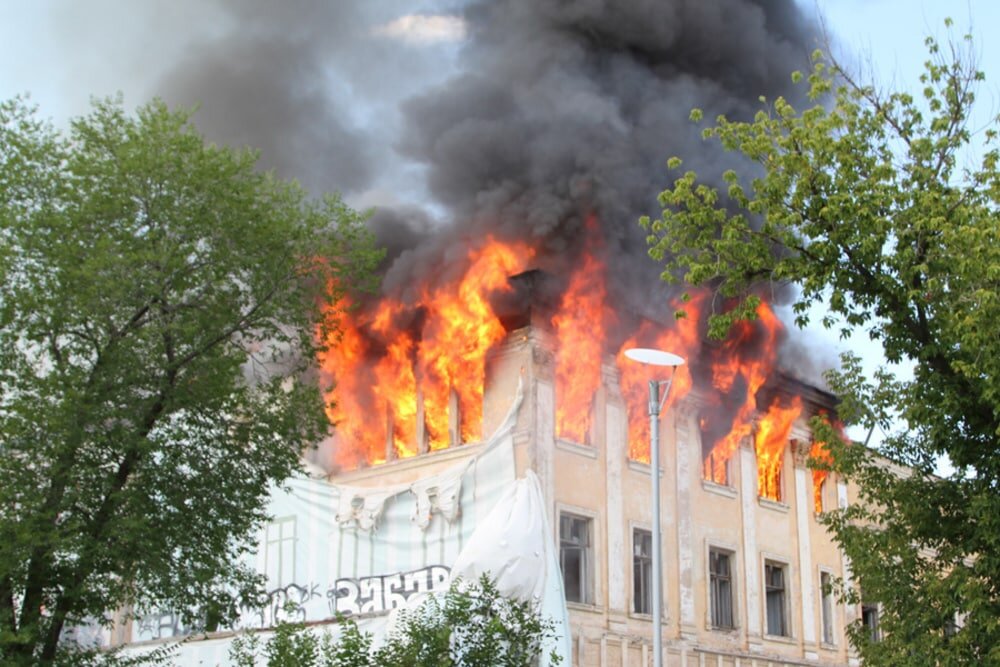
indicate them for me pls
(682, 339)
(770, 443)
(460, 330)
(401, 368)
(430, 349)
(395, 385)
(347, 351)
(821, 452)
(580, 325)
(729, 365)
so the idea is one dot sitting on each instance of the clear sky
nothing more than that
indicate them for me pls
(64, 51)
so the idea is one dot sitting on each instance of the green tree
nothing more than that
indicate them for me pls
(471, 626)
(871, 204)
(160, 301)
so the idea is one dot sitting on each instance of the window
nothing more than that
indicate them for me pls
(776, 599)
(642, 571)
(869, 618)
(721, 588)
(715, 465)
(826, 590)
(279, 552)
(575, 557)
(819, 487)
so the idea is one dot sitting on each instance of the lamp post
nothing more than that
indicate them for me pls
(651, 357)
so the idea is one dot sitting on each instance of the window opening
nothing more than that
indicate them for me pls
(642, 571)
(575, 557)
(826, 590)
(721, 588)
(775, 595)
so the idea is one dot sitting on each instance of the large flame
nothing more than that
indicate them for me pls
(409, 375)
(580, 327)
(740, 358)
(770, 443)
(460, 330)
(347, 352)
(407, 356)
(682, 339)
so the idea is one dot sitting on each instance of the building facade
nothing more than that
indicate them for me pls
(745, 579)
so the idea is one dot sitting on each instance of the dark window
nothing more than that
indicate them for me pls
(869, 618)
(774, 591)
(826, 590)
(574, 557)
(715, 466)
(642, 571)
(721, 588)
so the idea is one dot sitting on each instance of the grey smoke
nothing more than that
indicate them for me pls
(551, 111)
(565, 109)
(310, 83)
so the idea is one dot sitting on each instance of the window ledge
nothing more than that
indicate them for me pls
(828, 647)
(732, 632)
(584, 606)
(718, 489)
(576, 448)
(640, 467)
(781, 638)
(772, 505)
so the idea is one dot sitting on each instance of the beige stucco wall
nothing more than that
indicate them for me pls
(597, 480)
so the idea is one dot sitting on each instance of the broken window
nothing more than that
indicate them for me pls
(721, 588)
(821, 453)
(642, 571)
(819, 485)
(715, 460)
(575, 557)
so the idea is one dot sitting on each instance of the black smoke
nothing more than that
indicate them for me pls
(550, 112)
(565, 109)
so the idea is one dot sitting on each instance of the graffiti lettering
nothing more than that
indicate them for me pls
(294, 602)
(384, 593)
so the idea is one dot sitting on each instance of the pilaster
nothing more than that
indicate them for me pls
(688, 467)
(616, 452)
(751, 566)
(803, 512)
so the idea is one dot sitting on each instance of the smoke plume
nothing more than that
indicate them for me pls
(516, 118)
(562, 110)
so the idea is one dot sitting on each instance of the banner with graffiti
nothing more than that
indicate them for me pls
(362, 551)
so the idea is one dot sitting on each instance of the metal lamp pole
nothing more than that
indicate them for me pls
(656, 358)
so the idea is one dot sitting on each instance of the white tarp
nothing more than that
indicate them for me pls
(365, 551)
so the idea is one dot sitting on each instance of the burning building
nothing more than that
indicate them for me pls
(747, 565)
(431, 473)
(509, 319)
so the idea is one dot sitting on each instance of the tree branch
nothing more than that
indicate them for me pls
(102, 520)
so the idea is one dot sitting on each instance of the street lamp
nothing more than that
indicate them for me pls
(649, 357)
